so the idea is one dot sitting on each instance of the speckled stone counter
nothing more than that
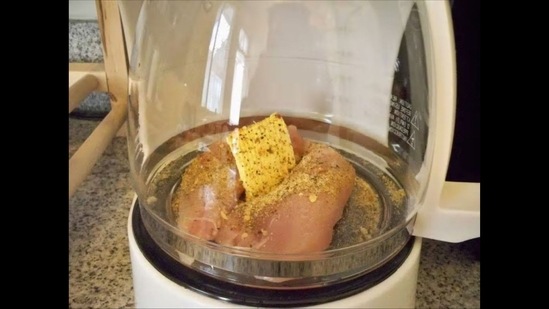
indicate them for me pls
(85, 46)
(99, 261)
(84, 41)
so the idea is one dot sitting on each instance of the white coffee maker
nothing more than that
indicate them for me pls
(375, 80)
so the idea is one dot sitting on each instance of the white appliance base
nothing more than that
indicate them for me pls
(154, 290)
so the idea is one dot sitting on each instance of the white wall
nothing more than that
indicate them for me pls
(82, 10)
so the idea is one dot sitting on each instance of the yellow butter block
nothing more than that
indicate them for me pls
(263, 153)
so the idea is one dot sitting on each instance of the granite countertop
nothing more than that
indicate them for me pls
(99, 262)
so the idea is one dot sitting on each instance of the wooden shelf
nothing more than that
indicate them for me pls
(111, 77)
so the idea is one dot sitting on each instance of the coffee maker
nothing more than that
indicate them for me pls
(374, 79)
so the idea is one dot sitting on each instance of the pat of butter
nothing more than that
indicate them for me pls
(263, 153)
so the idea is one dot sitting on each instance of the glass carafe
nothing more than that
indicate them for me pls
(355, 76)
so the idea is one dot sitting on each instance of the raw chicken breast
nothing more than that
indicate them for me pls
(209, 186)
(300, 214)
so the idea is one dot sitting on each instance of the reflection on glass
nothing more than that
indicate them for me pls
(216, 68)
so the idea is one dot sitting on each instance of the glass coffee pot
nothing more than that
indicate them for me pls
(371, 80)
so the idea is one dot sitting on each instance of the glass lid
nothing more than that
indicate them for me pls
(280, 144)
